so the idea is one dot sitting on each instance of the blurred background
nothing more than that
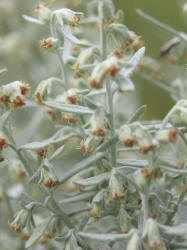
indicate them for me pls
(21, 55)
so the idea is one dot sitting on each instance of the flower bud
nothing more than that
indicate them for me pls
(179, 115)
(3, 141)
(53, 114)
(135, 242)
(50, 181)
(90, 145)
(143, 177)
(72, 96)
(49, 44)
(98, 124)
(19, 221)
(14, 93)
(96, 79)
(145, 141)
(95, 211)
(42, 91)
(43, 12)
(69, 118)
(24, 235)
(68, 16)
(126, 136)
(106, 11)
(110, 67)
(124, 222)
(85, 57)
(97, 204)
(167, 135)
(153, 236)
(115, 187)
(133, 41)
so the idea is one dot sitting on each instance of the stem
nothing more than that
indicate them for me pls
(19, 154)
(145, 205)
(103, 46)
(59, 212)
(63, 69)
(111, 119)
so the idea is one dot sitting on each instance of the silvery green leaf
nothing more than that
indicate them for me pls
(67, 49)
(37, 233)
(174, 230)
(3, 71)
(57, 152)
(138, 114)
(66, 30)
(79, 197)
(105, 237)
(35, 145)
(93, 180)
(134, 61)
(81, 166)
(132, 162)
(158, 23)
(37, 177)
(107, 144)
(124, 83)
(4, 118)
(25, 199)
(69, 108)
(32, 19)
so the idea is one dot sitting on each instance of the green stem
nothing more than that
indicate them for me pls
(145, 206)
(103, 46)
(111, 119)
(19, 154)
(63, 69)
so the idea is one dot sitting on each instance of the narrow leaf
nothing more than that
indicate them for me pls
(32, 19)
(93, 180)
(38, 231)
(158, 23)
(79, 197)
(138, 114)
(69, 108)
(175, 230)
(81, 165)
(134, 61)
(133, 163)
(105, 237)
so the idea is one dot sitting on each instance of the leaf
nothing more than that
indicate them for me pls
(79, 197)
(93, 180)
(35, 145)
(38, 231)
(26, 200)
(107, 144)
(105, 237)
(81, 165)
(175, 230)
(124, 83)
(134, 61)
(68, 34)
(70, 108)
(138, 114)
(158, 23)
(4, 118)
(37, 176)
(32, 19)
(132, 162)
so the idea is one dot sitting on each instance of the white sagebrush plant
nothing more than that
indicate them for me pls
(128, 189)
